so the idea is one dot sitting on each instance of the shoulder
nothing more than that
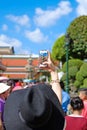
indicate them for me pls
(2, 101)
(85, 101)
(67, 117)
(65, 94)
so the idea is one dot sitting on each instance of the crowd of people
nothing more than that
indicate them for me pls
(41, 106)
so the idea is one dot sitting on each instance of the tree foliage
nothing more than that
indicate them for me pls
(71, 63)
(74, 67)
(85, 82)
(58, 49)
(81, 76)
(77, 31)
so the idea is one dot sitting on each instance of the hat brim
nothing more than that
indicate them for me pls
(11, 117)
(3, 78)
(4, 88)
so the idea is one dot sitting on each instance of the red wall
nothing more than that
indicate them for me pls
(17, 65)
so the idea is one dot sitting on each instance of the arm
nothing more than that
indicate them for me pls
(56, 85)
(54, 77)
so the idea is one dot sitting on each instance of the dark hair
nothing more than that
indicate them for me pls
(11, 83)
(83, 90)
(76, 103)
(62, 85)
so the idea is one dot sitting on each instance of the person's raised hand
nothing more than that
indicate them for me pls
(48, 65)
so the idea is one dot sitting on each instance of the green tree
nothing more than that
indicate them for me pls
(73, 63)
(77, 31)
(81, 76)
(58, 49)
(74, 66)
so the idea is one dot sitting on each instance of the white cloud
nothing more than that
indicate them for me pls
(36, 36)
(17, 28)
(35, 55)
(4, 27)
(23, 51)
(82, 7)
(7, 41)
(22, 20)
(49, 17)
(27, 52)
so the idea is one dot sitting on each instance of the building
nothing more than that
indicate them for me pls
(17, 66)
(2, 68)
(6, 50)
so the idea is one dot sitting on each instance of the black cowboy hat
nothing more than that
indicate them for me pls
(34, 108)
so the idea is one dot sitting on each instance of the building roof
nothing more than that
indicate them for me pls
(5, 50)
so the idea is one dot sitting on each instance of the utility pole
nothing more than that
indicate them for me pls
(67, 62)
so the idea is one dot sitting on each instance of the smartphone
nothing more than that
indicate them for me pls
(43, 56)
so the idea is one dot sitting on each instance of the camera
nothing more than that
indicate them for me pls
(43, 55)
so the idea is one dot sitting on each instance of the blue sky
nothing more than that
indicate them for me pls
(34, 25)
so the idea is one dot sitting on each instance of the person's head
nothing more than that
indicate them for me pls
(76, 104)
(83, 93)
(3, 79)
(34, 108)
(11, 83)
(4, 90)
